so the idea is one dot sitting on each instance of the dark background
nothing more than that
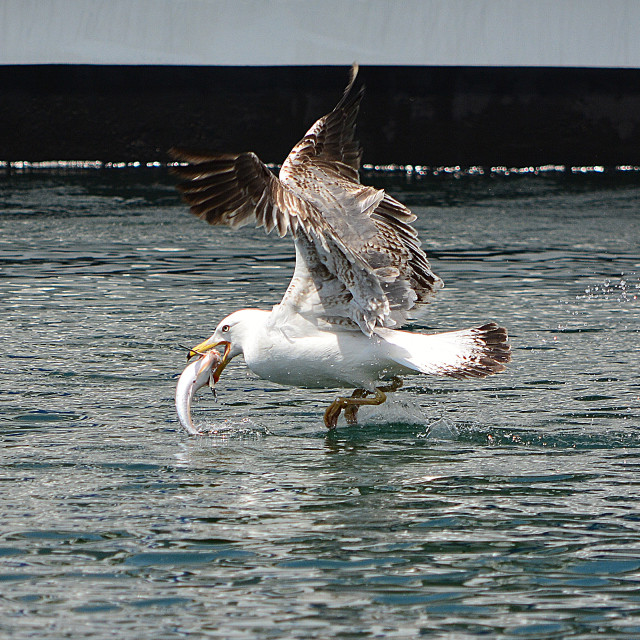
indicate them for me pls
(410, 115)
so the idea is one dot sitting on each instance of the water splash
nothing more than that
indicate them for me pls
(441, 428)
(232, 428)
(395, 410)
(624, 289)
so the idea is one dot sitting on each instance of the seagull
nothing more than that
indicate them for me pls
(360, 270)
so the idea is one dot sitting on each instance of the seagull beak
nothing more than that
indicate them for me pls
(207, 345)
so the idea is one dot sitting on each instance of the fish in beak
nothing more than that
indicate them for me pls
(206, 347)
(198, 374)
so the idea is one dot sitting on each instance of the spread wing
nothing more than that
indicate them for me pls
(332, 138)
(237, 189)
(358, 259)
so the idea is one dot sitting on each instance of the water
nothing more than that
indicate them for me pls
(501, 508)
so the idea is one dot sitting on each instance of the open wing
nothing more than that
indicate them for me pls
(374, 230)
(331, 140)
(358, 259)
(237, 189)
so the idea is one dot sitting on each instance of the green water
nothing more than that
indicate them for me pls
(505, 508)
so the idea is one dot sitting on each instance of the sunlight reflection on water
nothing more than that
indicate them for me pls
(501, 507)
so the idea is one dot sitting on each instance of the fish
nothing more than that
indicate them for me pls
(196, 375)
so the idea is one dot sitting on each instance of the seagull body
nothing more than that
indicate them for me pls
(301, 355)
(298, 353)
(360, 271)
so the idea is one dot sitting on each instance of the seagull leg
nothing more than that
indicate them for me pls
(332, 413)
(396, 383)
(351, 410)
(351, 405)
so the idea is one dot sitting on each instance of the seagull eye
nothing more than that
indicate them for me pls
(225, 328)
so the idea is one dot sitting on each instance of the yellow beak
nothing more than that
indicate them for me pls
(207, 345)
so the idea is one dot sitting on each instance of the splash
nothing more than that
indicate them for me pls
(399, 411)
(624, 289)
(233, 428)
(395, 410)
(441, 428)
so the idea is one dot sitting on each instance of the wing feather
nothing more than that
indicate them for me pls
(359, 262)
(235, 190)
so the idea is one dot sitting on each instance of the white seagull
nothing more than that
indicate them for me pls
(359, 272)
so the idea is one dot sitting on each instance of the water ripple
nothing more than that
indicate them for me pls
(499, 508)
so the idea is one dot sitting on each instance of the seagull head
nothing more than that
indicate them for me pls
(232, 332)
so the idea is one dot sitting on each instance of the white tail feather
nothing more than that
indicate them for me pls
(469, 353)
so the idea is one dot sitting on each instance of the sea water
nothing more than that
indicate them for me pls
(502, 508)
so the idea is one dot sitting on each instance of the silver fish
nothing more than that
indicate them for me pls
(199, 373)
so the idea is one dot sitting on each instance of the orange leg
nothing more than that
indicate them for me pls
(357, 399)
(351, 410)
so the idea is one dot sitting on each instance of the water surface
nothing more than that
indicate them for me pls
(498, 508)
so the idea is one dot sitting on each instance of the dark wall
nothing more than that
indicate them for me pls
(417, 115)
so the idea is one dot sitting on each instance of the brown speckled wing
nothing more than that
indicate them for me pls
(235, 190)
(359, 260)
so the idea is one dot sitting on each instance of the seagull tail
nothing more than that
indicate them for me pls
(469, 353)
